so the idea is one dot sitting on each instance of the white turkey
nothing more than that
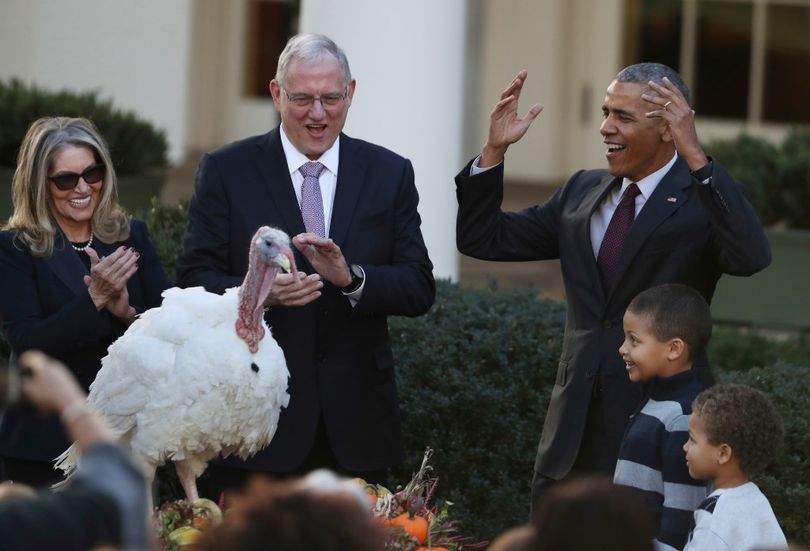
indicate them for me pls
(199, 376)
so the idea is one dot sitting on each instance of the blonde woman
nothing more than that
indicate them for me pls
(75, 272)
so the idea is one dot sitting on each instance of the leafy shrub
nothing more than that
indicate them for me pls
(787, 481)
(475, 375)
(797, 141)
(753, 161)
(135, 145)
(166, 224)
(743, 349)
(777, 179)
(794, 177)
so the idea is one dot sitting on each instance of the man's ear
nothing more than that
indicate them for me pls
(665, 131)
(275, 91)
(676, 349)
(350, 91)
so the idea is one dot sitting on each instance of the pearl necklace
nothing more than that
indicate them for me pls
(85, 247)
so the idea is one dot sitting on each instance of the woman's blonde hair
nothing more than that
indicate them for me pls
(32, 219)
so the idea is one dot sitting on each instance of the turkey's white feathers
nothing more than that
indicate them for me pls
(180, 384)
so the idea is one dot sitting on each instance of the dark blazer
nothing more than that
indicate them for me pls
(339, 357)
(686, 232)
(44, 304)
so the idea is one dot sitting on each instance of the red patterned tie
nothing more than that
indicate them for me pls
(612, 244)
(311, 200)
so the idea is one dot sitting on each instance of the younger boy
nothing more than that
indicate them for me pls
(665, 328)
(733, 433)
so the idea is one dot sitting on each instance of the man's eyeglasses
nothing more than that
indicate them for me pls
(69, 180)
(327, 100)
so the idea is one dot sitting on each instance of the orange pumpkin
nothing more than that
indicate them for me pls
(415, 525)
(201, 523)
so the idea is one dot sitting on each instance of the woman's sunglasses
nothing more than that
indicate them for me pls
(69, 180)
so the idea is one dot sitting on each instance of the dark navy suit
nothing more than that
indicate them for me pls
(339, 357)
(686, 233)
(44, 304)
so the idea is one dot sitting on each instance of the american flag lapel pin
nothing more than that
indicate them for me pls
(672, 199)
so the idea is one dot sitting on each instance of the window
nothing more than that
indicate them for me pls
(657, 31)
(270, 23)
(722, 66)
(743, 59)
(787, 64)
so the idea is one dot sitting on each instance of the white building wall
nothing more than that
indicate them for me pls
(134, 52)
(571, 49)
(593, 40)
(525, 35)
(408, 60)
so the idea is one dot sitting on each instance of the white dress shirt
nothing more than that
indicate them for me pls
(602, 215)
(327, 179)
(328, 182)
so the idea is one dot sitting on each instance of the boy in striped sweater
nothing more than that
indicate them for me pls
(665, 328)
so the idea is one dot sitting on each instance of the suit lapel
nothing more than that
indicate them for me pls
(272, 165)
(350, 182)
(670, 195)
(66, 265)
(589, 204)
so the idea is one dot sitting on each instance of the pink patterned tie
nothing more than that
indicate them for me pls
(612, 244)
(311, 201)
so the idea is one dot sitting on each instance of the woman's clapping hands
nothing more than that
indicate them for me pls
(107, 282)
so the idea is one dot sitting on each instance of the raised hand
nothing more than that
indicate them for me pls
(505, 126)
(325, 256)
(672, 107)
(49, 385)
(109, 275)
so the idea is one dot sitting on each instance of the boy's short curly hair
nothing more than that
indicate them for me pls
(745, 419)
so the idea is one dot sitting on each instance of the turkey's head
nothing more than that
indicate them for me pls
(269, 254)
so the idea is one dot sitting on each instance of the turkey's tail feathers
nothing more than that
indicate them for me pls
(67, 463)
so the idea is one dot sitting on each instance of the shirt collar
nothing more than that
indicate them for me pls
(661, 385)
(648, 184)
(296, 159)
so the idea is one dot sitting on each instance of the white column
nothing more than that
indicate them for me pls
(408, 60)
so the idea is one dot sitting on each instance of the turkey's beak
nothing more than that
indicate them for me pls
(285, 260)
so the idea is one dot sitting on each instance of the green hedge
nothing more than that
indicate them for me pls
(754, 162)
(743, 349)
(794, 177)
(166, 224)
(135, 145)
(474, 376)
(778, 179)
